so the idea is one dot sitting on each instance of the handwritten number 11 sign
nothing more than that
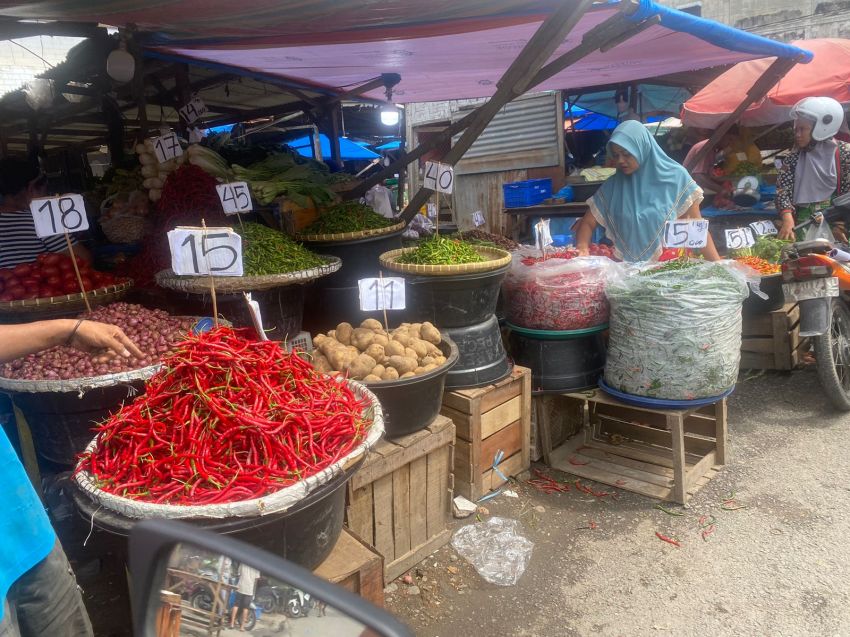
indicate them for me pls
(381, 294)
(57, 215)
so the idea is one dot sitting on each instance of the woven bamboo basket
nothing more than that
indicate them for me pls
(350, 236)
(229, 285)
(494, 259)
(67, 302)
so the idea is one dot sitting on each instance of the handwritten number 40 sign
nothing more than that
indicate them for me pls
(439, 177)
(686, 234)
(57, 215)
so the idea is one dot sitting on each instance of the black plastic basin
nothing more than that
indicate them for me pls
(359, 257)
(411, 404)
(326, 307)
(455, 301)
(482, 359)
(770, 285)
(569, 363)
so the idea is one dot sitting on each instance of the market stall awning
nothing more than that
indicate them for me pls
(441, 49)
(348, 149)
(827, 75)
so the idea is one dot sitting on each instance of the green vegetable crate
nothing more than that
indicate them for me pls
(772, 340)
(662, 454)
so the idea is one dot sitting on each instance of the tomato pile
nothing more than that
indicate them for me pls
(595, 250)
(51, 274)
(761, 266)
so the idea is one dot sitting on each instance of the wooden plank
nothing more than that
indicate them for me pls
(418, 495)
(383, 496)
(508, 441)
(525, 420)
(637, 451)
(544, 431)
(699, 470)
(359, 513)
(462, 421)
(354, 565)
(509, 467)
(756, 361)
(618, 464)
(376, 467)
(640, 433)
(761, 345)
(436, 482)
(490, 396)
(463, 467)
(701, 425)
(720, 414)
(679, 480)
(412, 439)
(443, 459)
(404, 563)
(646, 467)
(401, 510)
(500, 417)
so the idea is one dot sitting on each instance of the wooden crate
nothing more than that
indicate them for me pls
(554, 419)
(664, 454)
(399, 501)
(488, 420)
(356, 566)
(772, 340)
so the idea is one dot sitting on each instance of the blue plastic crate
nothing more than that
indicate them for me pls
(531, 192)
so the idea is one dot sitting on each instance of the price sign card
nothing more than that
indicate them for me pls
(212, 251)
(439, 177)
(686, 234)
(478, 218)
(256, 316)
(167, 147)
(56, 215)
(431, 209)
(194, 110)
(543, 234)
(739, 238)
(235, 197)
(763, 227)
(381, 294)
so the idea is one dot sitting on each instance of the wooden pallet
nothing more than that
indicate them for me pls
(399, 501)
(355, 566)
(488, 420)
(554, 419)
(664, 454)
(772, 340)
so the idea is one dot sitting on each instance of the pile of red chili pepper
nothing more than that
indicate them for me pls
(760, 265)
(229, 418)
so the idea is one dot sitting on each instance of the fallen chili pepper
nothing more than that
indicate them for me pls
(589, 491)
(669, 540)
(577, 463)
(706, 520)
(547, 484)
(708, 531)
(677, 514)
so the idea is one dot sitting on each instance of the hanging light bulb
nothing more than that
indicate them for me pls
(389, 115)
(120, 64)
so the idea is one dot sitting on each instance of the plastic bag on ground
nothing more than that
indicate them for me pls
(496, 549)
(676, 334)
(558, 294)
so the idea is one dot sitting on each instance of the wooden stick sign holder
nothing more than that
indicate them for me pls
(77, 270)
(212, 280)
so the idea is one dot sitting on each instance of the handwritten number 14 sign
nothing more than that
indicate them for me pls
(439, 177)
(686, 234)
(381, 294)
(57, 215)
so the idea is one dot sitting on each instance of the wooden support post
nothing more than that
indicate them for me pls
(139, 86)
(184, 93)
(759, 89)
(677, 432)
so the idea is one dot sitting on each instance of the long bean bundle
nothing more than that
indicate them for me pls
(228, 419)
(676, 333)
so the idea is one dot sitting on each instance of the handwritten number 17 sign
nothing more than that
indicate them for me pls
(686, 234)
(57, 215)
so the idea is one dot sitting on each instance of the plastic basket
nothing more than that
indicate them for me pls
(531, 192)
(303, 341)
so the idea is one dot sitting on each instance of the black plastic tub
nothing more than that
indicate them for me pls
(462, 300)
(282, 308)
(327, 307)
(560, 361)
(359, 257)
(411, 404)
(482, 359)
(304, 534)
(61, 422)
(771, 285)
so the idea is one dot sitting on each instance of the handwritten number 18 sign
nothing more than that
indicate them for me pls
(57, 215)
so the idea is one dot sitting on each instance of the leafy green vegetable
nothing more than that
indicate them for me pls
(349, 216)
(439, 250)
(280, 174)
(766, 247)
(745, 169)
(267, 251)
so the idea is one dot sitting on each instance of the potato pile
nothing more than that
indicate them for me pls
(370, 354)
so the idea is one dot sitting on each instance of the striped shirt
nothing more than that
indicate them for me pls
(19, 243)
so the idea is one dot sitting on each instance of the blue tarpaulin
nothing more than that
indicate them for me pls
(347, 148)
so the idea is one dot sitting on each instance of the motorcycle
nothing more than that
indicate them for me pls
(298, 604)
(271, 598)
(202, 599)
(816, 274)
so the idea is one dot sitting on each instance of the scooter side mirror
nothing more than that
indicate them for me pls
(186, 580)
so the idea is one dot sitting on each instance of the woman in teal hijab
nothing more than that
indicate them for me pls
(648, 190)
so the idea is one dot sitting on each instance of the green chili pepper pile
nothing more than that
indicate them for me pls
(267, 251)
(675, 334)
(672, 266)
(349, 216)
(439, 250)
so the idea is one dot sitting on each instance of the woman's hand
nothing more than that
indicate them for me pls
(107, 341)
(583, 251)
(786, 231)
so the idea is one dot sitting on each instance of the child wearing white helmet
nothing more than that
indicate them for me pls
(817, 169)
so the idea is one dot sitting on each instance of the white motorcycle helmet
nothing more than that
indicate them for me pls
(825, 112)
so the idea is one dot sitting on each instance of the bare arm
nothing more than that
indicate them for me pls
(19, 340)
(709, 251)
(585, 233)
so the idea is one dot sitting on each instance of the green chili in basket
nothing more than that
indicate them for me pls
(439, 250)
(349, 216)
(267, 251)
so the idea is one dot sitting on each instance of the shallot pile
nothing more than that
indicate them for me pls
(154, 331)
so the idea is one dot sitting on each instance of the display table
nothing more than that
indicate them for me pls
(523, 216)
(663, 454)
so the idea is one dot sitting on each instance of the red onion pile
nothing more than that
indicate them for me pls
(154, 331)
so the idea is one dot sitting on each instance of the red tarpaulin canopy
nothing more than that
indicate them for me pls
(828, 75)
